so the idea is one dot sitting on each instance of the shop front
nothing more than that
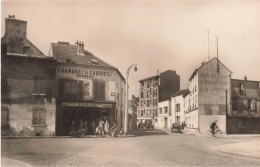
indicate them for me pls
(92, 112)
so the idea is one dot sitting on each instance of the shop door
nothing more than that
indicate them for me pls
(165, 122)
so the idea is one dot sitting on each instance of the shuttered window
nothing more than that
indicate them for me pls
(80, 90)
(99, 90)
(70, 91)
(39, 84)
(39, 115)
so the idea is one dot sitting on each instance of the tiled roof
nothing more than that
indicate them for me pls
(65, 52)
(181, 92)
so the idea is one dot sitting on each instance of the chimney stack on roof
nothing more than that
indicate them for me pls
(80, 47)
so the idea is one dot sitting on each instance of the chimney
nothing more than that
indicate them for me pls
(80, 47)
(15, 34)
(245, 78)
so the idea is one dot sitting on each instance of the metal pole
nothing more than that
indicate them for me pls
(126, 104)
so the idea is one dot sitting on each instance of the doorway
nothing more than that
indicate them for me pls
(165, 122)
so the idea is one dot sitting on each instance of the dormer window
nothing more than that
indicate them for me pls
(94, 61)
(69, 61)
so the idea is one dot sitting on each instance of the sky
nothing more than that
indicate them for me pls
(155, 35)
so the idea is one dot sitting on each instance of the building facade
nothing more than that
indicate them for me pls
(245, 114)
(132, 113)
(178, 107)
(162, 119)
(209, 97)
(156, 89)
(88, 89)
(28, 83)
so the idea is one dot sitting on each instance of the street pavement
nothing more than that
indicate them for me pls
(149, 148)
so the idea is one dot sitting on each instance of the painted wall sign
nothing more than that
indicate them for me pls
(75, 104)
(84, 73)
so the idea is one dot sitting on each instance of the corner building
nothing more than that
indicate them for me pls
(87, 88)
(153, 90)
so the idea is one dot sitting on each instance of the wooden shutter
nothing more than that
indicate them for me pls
(80, 89)
(60, 89)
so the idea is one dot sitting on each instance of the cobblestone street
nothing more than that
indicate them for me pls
(149, 148)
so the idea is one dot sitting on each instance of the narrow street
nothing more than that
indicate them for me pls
(149, 148)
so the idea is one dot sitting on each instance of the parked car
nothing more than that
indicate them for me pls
(176, 128)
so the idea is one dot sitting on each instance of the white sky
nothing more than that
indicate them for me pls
(153, 34)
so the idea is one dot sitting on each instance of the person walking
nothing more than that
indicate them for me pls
(93, 127)
(106, 128)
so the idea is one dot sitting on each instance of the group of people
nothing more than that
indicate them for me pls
(101, 128)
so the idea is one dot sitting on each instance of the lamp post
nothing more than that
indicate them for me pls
(126, 99)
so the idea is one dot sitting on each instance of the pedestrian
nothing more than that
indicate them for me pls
(72, 129)
(106, 128)
(93, 127)
(101, 127)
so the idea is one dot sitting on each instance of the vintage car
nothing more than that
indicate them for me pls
(176, 128)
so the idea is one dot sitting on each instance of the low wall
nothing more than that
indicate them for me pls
(243, 125)
(206, 120)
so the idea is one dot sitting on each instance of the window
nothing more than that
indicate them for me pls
(178, 107)
(242, 88)
(99, 90)
(142, 85)
(142, 113)
(148, 93)
(39, 115)
(39, 85)
(148, 103)
(26, 50)
(80, 90)
(165, 110)
(148, 84)
(70, 89)
(160, 109)
(251, 104)
(142, 94)
(156, 112)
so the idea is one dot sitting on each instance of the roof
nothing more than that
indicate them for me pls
(64, 52)
(192, 75)
(243, 80)
(149, 78)
(181, 92)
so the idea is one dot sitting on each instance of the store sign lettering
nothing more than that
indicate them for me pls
(83, 104)
(84, 73)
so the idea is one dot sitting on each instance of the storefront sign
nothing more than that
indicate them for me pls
(84, 73)
(75, 104)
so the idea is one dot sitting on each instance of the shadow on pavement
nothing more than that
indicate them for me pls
(148, 132)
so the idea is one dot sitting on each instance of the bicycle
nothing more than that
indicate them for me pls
(217, 133)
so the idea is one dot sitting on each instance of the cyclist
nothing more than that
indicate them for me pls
(213, 127)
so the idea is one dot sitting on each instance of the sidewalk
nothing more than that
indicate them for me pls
(13, 163)
(244, 148)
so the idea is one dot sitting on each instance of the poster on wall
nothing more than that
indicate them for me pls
(87, 89)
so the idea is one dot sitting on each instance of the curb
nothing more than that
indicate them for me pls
(43, 137)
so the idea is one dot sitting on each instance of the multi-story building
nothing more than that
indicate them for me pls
(245, 114)
(178, 107)
(88, 89)
(28, 80)
(156, 89)
(132, 112)
(209, 97)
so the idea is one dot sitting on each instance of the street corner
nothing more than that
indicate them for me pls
(11, 163)
(242, 148)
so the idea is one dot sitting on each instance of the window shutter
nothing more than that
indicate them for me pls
(61, 89)
(80, 89)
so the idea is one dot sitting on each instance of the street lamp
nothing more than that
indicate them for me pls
(126, 99)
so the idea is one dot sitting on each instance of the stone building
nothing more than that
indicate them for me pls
(88, 89)
(245, 114)
(28, 102)
(132, 112)
(209, 97)
(162, 119)
(156, 89)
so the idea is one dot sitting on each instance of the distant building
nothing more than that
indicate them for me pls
(156, 89)
(132, 111)
(245, 114)
(178, 106)
(162, 119)
(88, 88)
(209, 97)
(28, 84)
